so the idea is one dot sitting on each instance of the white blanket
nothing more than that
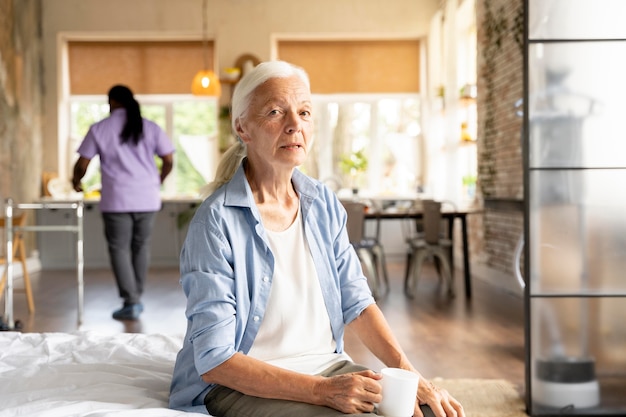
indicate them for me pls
(87, 374)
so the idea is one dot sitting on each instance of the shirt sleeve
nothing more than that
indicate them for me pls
(89, 147)
(343, 279)
(164, 145)
(208, 282)
(355, 291)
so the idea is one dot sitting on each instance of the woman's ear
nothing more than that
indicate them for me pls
(241, 133)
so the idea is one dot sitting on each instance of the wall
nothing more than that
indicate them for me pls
(21, 92)
(237, 26)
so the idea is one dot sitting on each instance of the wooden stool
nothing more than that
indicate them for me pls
(19, 254)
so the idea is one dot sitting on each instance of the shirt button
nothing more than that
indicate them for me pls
(256, 318)
(266, 278)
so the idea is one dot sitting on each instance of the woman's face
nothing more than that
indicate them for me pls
(278, 125)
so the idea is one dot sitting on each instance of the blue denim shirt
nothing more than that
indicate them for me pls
(226, 271)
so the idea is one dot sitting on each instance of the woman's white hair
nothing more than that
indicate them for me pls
(242, 96)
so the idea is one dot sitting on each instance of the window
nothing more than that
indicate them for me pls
(368, 110)
(385, 129)
(190, 122)
(159, 72)
(382, 129)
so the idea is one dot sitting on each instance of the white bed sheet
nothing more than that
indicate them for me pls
(87, 374)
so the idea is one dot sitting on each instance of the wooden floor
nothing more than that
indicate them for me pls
(449, 338)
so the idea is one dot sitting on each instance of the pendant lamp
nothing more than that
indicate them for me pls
(205, 83)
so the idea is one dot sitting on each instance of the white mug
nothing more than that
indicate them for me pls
(399, 392)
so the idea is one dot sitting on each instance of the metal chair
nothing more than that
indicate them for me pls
(431, 243)
(19, 254)
(368, 249)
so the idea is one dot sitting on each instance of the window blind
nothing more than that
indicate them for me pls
(147, 67)
(361, 66)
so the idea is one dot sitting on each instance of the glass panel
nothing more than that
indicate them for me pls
(190, 123)
(576, 19)
(82, 115)
(351, 139)
(578, 358)
(577, 229)
(399, 127)
(196, 140)
(577, 232)
(156, 113)
(368, 142)
(576, 111)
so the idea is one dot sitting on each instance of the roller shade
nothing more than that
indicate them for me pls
(363, 66)
(147, 67)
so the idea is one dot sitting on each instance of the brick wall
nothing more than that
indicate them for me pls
(495, 233)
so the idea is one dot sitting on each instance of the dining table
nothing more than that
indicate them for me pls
(450, 214)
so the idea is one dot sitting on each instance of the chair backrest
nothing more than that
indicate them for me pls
(432, 221)
(356, 220)
(18, 220)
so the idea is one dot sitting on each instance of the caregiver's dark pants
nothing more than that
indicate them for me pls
(128, 238)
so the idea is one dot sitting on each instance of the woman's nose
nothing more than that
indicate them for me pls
(292, 124)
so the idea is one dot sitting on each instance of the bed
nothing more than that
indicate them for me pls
(93, 374)
(87, 374)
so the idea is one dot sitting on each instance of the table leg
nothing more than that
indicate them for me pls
(466, 263)
(451, 237)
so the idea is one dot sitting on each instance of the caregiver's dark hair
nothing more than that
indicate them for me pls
(133, 128)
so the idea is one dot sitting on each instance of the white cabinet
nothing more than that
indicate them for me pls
(95, 247)
(169, 233)
(58, 249)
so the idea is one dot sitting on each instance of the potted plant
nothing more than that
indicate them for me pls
(354, 164)
(469, 185)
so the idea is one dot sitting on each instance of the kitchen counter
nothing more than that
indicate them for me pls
(57, 250)
(165, 198)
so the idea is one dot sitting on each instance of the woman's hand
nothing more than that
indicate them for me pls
(439, 400)
(351, 393)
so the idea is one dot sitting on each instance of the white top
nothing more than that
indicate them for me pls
(295, 333)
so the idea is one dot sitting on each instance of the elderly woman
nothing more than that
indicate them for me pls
(272, 280)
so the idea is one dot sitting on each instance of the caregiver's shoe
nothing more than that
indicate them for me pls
(128, 312)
